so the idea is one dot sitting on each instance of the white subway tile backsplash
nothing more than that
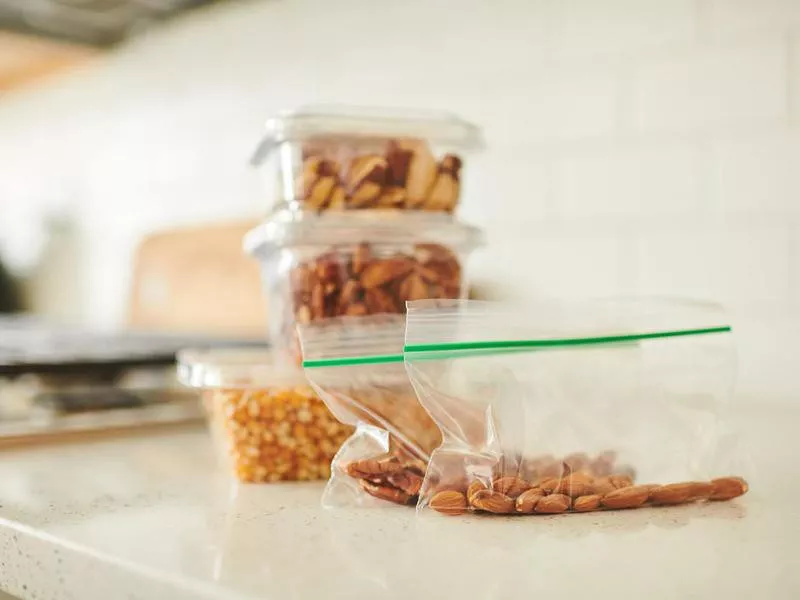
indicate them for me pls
(744, 267)
(632, 183)
(736, 16)
(634, 146)
(623, 26)
(563, 265)
(758, 176)
(713, 88)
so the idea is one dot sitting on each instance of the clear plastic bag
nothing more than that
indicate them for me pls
(355, 364)
(574, 407)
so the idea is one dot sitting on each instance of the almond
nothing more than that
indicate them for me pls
(675, 493)
(554, 503)
(702, 490)
(510, 486)
(726, 488)
(381, 272)
(449, 502)
(493, 502)
(620, 481)
(573, 485)
(577, 460)
(527, 500)
(602, 486)
(475, 487)
(586, 503)
(627, 497)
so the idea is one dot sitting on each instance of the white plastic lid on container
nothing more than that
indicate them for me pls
(236, 368)
(290, 229)
(339, 121)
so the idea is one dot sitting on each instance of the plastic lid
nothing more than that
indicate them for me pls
(368, 122)
(289, 229)
(236, 368)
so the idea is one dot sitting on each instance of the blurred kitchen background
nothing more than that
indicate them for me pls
(633, 146)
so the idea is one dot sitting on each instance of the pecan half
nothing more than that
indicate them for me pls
(385, 492)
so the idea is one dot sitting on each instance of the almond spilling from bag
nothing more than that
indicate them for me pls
(493, 502)
(449, 502)
(586, 503)
(679, 493)
(627, 497)
(475, 487)
(510, 486)
(727, 488)
(527, 500)
(552, 504)
(574, 485)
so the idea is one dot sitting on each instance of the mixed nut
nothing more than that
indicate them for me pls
(276, 434)
(357, 281)
(406, 175)
(596, 485)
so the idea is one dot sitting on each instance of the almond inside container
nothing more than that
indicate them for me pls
(336, 158)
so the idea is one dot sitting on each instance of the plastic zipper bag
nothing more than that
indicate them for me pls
(574, 407)
(356, 367)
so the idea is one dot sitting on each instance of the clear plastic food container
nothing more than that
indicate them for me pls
(320, 266)
(266, 421)
(353, 158)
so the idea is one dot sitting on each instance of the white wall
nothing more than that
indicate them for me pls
(635, 146)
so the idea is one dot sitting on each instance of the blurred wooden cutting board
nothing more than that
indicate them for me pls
(198, 280)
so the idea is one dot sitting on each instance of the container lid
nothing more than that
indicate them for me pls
(236, 368)
(290, 229)
(367, 122)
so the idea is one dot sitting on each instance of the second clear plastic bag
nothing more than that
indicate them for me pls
(574, 407)
(355, 364)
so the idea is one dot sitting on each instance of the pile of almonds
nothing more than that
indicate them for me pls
(577, 492)
(405, 175)
(356, 281)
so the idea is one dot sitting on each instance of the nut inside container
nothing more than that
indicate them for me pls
(355, 158)
(266, 421)
(321, 266)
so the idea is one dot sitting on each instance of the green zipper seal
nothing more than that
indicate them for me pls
(377, 359)
(507, 345)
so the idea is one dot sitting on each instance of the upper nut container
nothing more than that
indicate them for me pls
(326, 158)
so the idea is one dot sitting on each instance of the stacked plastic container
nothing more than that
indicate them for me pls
(363, 221)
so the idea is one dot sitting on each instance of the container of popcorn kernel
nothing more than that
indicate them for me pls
(318, 266)
(267, 423)
(323, 158)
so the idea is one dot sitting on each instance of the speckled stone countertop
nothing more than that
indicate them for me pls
(151, 517)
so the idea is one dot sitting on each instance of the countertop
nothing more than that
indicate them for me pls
(152, 517)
